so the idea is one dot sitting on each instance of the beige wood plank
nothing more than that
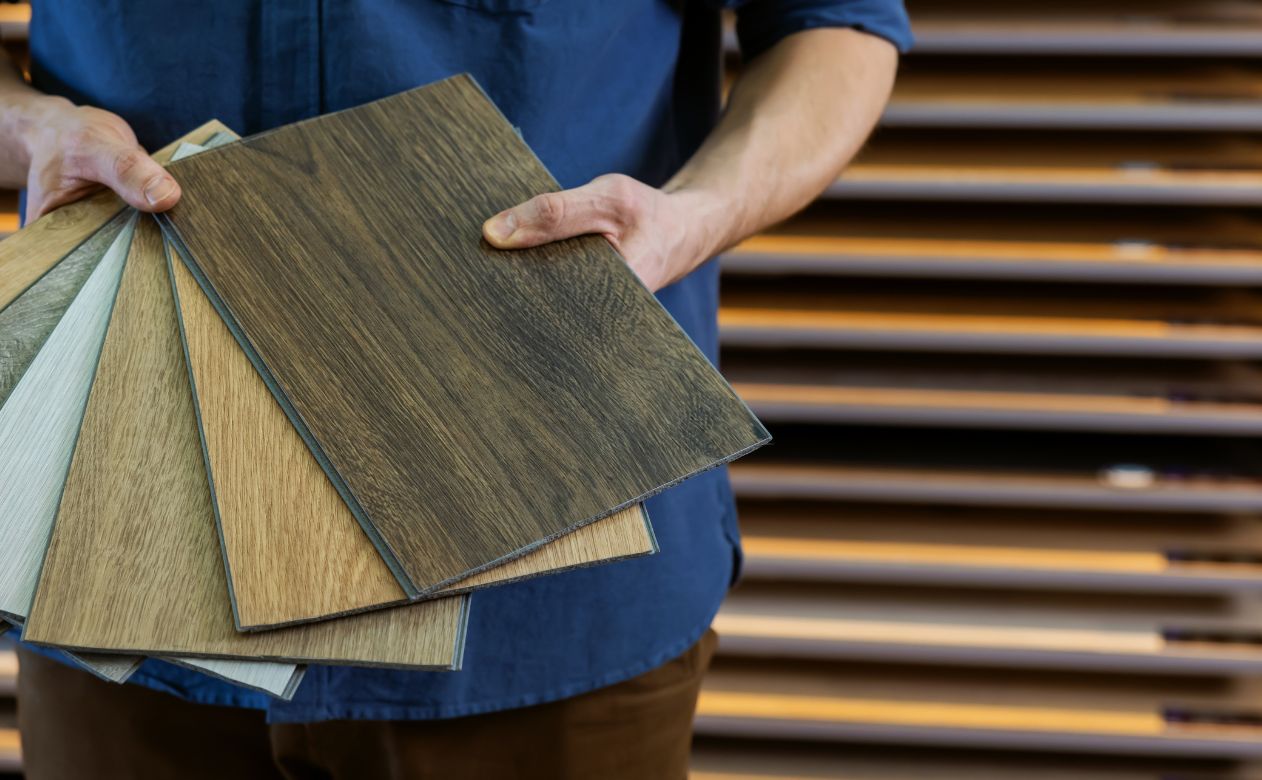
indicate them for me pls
(134, 563)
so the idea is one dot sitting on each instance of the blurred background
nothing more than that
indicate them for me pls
(1009, 526)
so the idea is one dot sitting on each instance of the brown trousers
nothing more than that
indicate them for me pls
(75, 727)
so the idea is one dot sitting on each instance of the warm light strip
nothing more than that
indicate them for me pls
(954, 554)
(939, 634)
(927, 714)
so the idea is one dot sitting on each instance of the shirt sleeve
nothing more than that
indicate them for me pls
(761, 24)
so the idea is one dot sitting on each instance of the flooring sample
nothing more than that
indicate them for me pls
(283, 526)
(39, 424)
(28, 254)
(134, 563)
(28, 321)
(468, 404)
(279, 680)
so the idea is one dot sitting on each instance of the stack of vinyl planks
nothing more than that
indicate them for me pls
(1010, 523)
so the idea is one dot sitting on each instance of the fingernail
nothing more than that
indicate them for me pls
(159, 188)
(501, 226)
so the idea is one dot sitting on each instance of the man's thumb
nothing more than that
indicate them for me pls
(136, 178)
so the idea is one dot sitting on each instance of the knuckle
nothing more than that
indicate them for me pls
(551, 209)
(125, 162)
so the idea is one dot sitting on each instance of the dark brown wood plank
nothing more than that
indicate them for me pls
(468, 403)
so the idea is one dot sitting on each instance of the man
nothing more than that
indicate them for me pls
(592, 673)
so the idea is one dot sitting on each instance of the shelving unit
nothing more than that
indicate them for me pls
(1010, 524)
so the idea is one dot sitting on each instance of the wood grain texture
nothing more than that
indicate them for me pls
(28, 254)
(39, 424)
(293, 551)
(469, 404)
(28, 321)
(134, 563)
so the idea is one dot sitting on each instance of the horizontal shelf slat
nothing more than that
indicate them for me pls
(1149, 633)
(1009, 548)
(1101, 38)
(875, 314)
(970, 408)
(967, 164)
(1008, 241)
(1076, 94)
(978, 487)
(719, 759)
(980, 708)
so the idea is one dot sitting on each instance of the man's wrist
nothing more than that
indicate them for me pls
(706, 219)
(31, 120)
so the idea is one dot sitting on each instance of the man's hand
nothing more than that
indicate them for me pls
(74, 151)
(796, 116)
(647, 226)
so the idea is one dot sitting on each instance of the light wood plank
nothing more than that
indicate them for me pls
(134, 564)
(40, 423)
(1098, 712)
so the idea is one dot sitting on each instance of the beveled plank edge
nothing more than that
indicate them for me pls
(413, 592)
(654, 549)
(452, 665)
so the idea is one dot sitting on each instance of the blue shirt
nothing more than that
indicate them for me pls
(596, 86)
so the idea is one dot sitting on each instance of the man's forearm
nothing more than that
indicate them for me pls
(23, 109)
(796, 117)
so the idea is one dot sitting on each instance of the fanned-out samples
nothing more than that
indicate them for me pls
(468, 404)
(138, 483)
(305, 424)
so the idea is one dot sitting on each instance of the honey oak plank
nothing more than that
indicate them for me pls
(134, 564)
(546, 388)
(283, 524)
